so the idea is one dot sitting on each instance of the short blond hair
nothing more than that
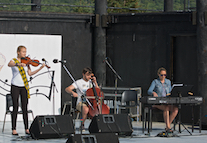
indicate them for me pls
(161, 69)
(20, 47)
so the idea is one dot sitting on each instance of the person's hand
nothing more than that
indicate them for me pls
(74, 94)
(43, 65)
(154, 94)
(22, 64)
(93, 79)
(168, 94)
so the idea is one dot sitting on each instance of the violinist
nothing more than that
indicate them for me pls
(19, 86)
(84, 84)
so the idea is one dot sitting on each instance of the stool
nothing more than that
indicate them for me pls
(71, 109)
(64, 107)
(78, 113)
(147, 110)
(147, 120)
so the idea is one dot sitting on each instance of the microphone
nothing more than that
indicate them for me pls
(56, 61)
(105, 59)
(43, 60)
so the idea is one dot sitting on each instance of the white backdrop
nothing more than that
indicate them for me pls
(38, 47)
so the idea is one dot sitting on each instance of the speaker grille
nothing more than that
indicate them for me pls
(56, 126)
(93, 138)
(117, 123)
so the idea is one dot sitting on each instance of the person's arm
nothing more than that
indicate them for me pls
(94, 81)
(70, 89)
(12, 64)
(151, 89)
(30, 73)
(170, 88)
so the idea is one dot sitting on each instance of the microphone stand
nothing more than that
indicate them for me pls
(82, 96)
(53, 86)
(116, 82)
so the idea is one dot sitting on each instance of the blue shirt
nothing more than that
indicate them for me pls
(159, 88)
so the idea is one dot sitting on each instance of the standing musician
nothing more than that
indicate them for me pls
(19, 86)
(84, 84)
(161, 87)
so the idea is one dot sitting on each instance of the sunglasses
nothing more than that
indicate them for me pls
(163, 75)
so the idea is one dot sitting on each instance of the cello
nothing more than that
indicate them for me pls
(95, 96)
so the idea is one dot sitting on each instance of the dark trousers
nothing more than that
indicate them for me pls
(15, 92)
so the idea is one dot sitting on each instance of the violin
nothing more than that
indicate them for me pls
(97, 102)
(34, 63)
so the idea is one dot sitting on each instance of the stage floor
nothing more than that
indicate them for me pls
(137, 135)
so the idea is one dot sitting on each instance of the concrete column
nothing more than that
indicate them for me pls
(99, 66)
(202, 51)
(168, 5)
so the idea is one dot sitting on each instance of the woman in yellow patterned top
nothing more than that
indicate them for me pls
(19, 86)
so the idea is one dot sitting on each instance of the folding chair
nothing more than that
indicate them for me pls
(129, 99)
(9, 104)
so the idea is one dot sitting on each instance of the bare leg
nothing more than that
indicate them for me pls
(84, 110)
(166, 117)
(27, 131)
(14, 132)
(174, 113)
(84, 113)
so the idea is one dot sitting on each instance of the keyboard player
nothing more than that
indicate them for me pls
(161, 87)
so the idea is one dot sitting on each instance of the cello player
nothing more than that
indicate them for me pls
(84, 84)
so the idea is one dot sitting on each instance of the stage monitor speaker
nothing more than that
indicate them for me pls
(51, 126)
(113, 123)
(94, 138)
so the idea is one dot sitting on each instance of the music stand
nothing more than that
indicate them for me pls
(181, 91)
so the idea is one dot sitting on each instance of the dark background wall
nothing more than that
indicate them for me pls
(137, 44)
(140, 44)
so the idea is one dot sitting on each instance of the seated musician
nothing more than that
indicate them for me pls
(84, 84)
(161, 87)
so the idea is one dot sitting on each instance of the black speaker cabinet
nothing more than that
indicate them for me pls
(113, 123)
(93, 138)
(51, 126)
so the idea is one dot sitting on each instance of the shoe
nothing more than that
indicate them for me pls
(169, 130)
(15, 134)
(27, 133)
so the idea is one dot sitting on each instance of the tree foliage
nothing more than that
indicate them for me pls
(123, 4)
(119, 5)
